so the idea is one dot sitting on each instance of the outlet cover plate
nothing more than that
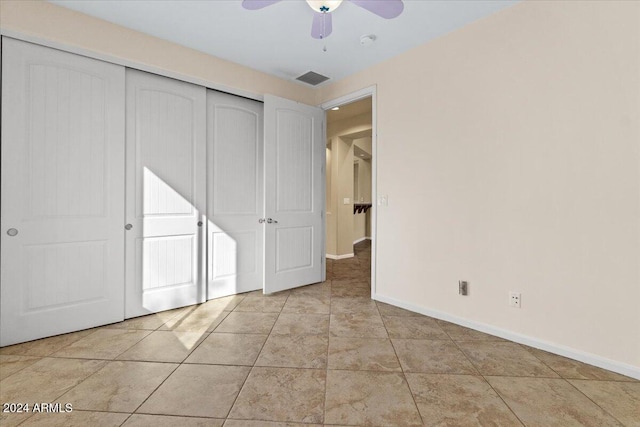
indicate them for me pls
(515, 299)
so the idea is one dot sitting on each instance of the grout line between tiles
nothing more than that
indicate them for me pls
(413, 397)
(71, 388)
(593, 401)
(503, 401)
(488, 383)
(125, 420)
(326, 372)
(64, 346)
(24, 367)
(254, 362)
(156, 389)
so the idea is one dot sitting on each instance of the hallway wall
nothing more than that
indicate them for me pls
(517, 141)
(362, 221)
(340, 217)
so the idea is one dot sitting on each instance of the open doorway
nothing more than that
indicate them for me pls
(350, 195)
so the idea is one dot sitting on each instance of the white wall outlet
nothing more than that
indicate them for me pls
(346, 201)
(383, 200)
(514, 299)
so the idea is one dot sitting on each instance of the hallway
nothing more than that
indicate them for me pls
(321, 354)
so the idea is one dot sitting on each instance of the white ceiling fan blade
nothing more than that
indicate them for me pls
(387, 9)
(257, 4)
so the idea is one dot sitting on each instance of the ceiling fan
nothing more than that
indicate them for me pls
(321, 26)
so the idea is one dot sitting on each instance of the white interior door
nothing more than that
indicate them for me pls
(62, 230)
(166, 179)
(294, 194)
(235, 199)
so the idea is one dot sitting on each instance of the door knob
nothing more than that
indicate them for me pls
(12, 232)
(199, 223)
(262, 220)
(128, 227)
(271, 221)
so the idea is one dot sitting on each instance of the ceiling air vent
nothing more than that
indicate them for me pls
(312, 78)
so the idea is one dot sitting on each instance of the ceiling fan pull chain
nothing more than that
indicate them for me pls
(324, 30)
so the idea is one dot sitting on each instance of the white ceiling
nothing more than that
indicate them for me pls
(277, 39)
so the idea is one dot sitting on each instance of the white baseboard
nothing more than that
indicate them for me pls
(362, 239)
(591, 359)
(330, 256)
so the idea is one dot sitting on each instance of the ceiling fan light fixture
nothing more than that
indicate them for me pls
(324, 6)
(321, 25)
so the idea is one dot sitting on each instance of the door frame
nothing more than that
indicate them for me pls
(370, 91)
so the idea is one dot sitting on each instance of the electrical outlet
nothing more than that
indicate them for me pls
(514, 299)
(463, 287)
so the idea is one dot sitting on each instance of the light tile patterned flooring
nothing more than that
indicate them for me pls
(322, 354)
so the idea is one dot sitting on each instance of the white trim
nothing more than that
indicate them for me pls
(323, 184)
(345, 256)
(130, 64)
(362, 239)
(370, 91)
(589, 358)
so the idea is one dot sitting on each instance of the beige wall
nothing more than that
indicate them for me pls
(520, 136)
(343, 188)
(355, 127)
(331, 236)
(54, 23)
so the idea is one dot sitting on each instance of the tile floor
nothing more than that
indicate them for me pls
(324, 354)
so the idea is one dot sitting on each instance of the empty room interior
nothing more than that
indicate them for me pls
(320, 212)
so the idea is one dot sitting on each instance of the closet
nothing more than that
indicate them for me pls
(235, 199)
(62, 192)
(165, 193)
(126, 193)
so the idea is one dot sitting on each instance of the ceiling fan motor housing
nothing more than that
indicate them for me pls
(324, 6)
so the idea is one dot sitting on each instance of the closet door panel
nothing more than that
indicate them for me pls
(62, 192)
(166, 181)
(235, 183)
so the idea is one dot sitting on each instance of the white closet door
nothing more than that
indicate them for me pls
(235, 194)
(294, 193)
(62, 192)
(166, 178)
